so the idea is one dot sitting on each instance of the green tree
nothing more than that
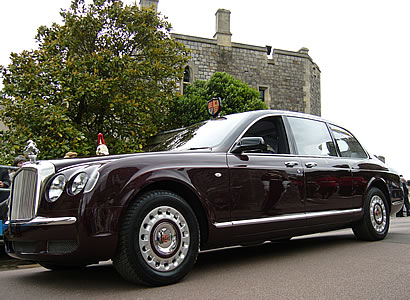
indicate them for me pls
(108, 68)
(236, 97)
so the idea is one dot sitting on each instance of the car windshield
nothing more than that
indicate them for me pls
(204, 135)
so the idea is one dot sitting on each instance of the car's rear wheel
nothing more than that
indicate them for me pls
(376, 219)
(159, 240)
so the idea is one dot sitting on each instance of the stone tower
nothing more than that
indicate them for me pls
(149, 3)
(223, 27)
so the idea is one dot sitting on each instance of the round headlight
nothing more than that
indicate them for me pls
(78, 183)
(56, 187)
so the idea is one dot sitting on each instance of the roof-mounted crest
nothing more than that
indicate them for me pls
(214, 106)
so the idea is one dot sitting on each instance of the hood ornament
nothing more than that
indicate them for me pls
(31, 151)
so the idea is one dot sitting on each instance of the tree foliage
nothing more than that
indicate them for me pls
(236, 97)
(108, 68)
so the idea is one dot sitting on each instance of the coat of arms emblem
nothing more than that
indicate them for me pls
(214, 106)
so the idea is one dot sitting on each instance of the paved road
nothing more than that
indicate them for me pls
(322, 266)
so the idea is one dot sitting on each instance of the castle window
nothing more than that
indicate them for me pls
(187, 78)
(187, 74)
(262, 93)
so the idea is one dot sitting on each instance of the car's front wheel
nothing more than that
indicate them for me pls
(376, 219)
(158, 240)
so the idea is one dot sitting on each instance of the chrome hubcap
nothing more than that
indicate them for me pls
(378, 214)
(164, 238)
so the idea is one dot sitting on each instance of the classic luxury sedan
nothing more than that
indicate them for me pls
(239, 179)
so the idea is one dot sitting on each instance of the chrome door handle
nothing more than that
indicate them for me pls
(291, 164)
(310, 164)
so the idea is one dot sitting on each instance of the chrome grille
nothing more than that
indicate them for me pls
(25, 190)
(23, 205)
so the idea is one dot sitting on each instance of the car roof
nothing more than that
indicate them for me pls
(267, 112)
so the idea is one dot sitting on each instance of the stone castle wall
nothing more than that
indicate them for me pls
(291, 79)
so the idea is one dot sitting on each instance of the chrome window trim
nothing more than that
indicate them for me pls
(268, 154)
(290, 217)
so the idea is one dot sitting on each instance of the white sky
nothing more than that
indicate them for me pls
(360, 47)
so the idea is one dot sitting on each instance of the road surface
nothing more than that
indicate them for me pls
(330, 265)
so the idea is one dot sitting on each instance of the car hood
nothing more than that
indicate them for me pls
(61, 164)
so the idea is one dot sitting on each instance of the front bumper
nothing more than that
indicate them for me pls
(41, 237)
(57, 239)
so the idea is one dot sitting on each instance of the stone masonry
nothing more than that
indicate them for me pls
(287, 80)
(290, 80)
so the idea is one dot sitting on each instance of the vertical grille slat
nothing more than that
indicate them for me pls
(24, 195)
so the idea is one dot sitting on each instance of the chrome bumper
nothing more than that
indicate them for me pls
(42, 221)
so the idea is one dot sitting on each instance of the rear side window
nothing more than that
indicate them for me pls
(312, 137)
(347, 144)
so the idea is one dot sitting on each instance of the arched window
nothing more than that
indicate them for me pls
(187, 74)
(187, 78)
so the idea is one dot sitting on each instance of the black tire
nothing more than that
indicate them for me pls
(158, 240)
(376, 218)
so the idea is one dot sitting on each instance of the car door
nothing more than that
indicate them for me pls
(328, 177)
(362, 170)
(267, 187)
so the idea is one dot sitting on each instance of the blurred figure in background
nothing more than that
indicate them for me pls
(18, 161)
(405, 198)
(4, 183)
(102, 148)
(4, 194)
(71, 155)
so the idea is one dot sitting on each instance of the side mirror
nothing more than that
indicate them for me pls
(249, 143)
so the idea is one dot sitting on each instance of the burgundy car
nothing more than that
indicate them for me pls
(240, 179)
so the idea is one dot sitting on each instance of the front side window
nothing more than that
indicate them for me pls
(312, 137)
(272, 131)
(347, 144)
